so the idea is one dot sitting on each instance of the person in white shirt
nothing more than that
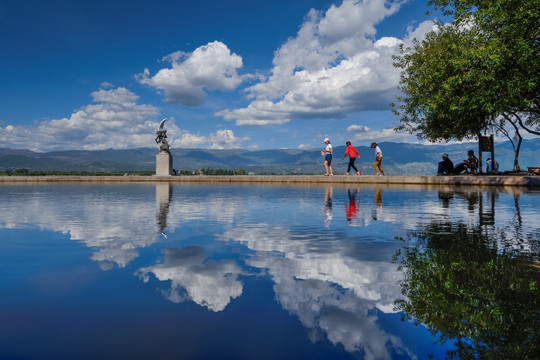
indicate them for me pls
(327, 152)
(378, 159)
(490, 167)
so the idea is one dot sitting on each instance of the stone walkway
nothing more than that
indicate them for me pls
(491, 180)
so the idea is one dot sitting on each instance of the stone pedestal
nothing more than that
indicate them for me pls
(164, 164)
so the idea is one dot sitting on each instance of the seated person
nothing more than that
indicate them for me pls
(460, 168)
(446, 166)
(490, 167)
(469, 165)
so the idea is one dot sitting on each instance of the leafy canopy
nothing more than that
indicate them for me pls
(467, 74)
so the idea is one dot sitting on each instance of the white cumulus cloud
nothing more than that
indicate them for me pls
(221, 139)
(209, 67)
(333, 67)
(113, 120)
(364, 133)
(225, 139)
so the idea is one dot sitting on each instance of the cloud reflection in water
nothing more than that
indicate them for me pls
(209, 283)
(335, 279)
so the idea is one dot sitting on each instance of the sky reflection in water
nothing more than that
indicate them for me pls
(201, 271)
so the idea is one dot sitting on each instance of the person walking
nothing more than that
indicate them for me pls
(378, 159)
(353, 154)
(327, 153)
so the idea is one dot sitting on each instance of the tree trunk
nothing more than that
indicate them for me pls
(516, 153)
(519, 139)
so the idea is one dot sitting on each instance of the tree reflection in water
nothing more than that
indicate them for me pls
(474, 285)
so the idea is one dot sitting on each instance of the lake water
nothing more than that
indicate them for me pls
(186, 271)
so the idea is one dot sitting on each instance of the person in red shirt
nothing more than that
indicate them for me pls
(353, 154)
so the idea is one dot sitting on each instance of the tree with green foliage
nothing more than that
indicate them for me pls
(21, 172)
(477, 73)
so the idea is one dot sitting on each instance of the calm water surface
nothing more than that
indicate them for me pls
(160, 271)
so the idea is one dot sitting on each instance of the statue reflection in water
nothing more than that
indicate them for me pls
(327, 208)
(163, 199)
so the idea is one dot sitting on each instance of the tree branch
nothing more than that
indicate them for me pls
(523, 125)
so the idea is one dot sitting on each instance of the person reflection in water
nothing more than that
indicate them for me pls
(350, 208)
(327, 208)
(446, 197)
(376, 212)
(471, 197)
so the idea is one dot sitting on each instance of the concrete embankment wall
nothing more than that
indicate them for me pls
(527, 181)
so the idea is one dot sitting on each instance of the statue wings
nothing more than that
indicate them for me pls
(162, 123)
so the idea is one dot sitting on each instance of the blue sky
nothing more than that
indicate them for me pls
(226, 74)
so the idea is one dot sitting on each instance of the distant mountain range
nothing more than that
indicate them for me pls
(399, 159)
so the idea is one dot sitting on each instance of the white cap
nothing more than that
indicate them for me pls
(327, 139)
